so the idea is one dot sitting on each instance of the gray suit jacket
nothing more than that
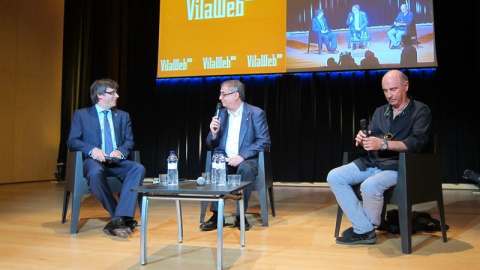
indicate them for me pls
(254, 134)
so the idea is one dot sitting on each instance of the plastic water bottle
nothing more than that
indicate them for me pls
(221, 170)
(214, 173)
(172, 171)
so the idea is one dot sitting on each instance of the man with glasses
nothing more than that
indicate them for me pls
(401, 125)
(241, 131)
(103, 132)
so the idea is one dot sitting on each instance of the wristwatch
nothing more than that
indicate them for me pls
(384, 145)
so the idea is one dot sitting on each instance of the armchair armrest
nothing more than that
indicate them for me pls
(351, 156)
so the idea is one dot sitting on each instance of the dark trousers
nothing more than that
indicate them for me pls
(248, 169)
(129, 172)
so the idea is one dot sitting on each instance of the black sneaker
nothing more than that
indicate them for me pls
(348, 232)
(367, 238)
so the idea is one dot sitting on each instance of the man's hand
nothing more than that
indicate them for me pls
(215, 125)
(371, 143)
(116, 154)
(359, 138)
(98, 154)
(235, 160)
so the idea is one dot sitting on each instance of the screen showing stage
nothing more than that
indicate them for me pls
(236, 37)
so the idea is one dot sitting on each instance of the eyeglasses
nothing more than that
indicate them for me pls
(111, 93)
(388, 136)
(225, 94)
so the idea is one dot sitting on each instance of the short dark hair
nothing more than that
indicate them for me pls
(318, 11)
(100, 87)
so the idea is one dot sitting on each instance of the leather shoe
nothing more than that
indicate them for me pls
(210, 225)
(118, 228)
(131, 223)
(237, 224)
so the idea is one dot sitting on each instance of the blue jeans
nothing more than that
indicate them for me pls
(395, 36)
(374, 182)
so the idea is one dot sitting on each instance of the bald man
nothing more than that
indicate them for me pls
(401, 125)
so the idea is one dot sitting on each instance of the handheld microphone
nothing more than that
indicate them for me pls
(364, 126)
(217, 111)
(219, 107)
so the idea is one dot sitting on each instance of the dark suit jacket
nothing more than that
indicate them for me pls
(317, 26)
(254, 134)
(86, 134)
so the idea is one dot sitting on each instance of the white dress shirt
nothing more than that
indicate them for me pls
(233, 135)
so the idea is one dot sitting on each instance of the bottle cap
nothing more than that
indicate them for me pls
(200, 181)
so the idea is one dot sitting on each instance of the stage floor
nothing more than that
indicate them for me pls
(298, 59)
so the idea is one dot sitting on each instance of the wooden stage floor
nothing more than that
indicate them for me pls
(299, 237)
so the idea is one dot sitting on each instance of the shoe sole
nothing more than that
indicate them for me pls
(122, 232)
(360, 242)
(208, 229)
(108, 232)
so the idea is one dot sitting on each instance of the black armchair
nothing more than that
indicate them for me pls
(76, 184)
(419, 181)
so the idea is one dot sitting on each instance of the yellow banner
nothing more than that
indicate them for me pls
(221, 37)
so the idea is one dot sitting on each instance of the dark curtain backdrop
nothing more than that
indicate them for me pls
(313, 117)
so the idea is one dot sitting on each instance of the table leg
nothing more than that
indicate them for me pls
(242, 221)
(179, 221)
(221, 208)
(143, 230)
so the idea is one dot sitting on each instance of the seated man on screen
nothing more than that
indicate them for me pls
(357, 22)
(402, 125)
(103, 131)
(241, 131)
(400, 25)
(323, 33)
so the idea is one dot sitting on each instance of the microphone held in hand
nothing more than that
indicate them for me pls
(219, 107)
(364, 126)
(217, 111)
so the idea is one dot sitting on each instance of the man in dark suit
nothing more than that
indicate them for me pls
(103, 131)
(323, 33)
(241, 131)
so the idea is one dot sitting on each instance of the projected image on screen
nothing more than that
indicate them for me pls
(236, 37)
(352, 35)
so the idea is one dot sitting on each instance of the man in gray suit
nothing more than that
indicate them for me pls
(241, 131)
(100, 132)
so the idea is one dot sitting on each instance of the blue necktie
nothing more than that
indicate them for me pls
(108, 134)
